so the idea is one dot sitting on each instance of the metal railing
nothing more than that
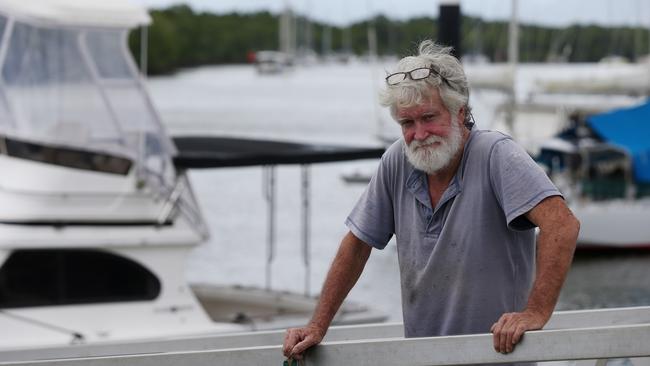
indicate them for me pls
(575, 335)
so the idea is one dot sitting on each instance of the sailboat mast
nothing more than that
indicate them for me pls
(287, 31)
(513, 37)
(449, 25)
(513, 60)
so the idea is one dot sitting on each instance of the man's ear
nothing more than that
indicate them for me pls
(461, 116)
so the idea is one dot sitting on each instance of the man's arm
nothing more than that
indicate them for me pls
(344, 272)
(558, 232)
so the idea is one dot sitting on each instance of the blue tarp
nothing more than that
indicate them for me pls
(628, 128)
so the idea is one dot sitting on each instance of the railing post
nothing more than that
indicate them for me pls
(269, 195)
(306, 224)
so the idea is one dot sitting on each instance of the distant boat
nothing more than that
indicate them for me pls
(272, 62)
(602, 165)
(357, 176)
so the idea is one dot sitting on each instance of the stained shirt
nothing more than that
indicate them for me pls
(471, 258)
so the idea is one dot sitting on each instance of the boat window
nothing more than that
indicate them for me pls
(139, 127)
(47, 277)
(106, 50)
(72, 158)
(51, 92)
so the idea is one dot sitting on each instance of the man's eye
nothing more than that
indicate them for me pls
(428, 117)
(406, 124)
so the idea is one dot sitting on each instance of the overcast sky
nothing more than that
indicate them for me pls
(342, 12)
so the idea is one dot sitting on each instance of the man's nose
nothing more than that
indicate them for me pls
(421, 132)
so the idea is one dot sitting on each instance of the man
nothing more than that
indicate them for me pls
(463, 205)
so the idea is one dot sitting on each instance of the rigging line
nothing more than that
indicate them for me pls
(76, 336)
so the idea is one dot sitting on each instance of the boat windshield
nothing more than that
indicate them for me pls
(78, 87)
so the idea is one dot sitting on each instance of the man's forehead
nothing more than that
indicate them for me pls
(417, 109)
(426, 106)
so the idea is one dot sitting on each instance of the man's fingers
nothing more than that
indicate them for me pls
(495, 338)
(515, 331)
(290, 339)
(519, 332)
(502, 333)
(509, 334)
(299, 348)
(511, 327)
(496, 330)
(503, 339)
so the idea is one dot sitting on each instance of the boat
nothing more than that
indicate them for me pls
(602, 165)
(357, 176)
(566, 122)
(272, 62)
(97, 213)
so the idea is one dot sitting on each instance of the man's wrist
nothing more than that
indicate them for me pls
(538, 312)
(320, 328)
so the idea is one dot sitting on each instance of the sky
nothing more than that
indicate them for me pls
(343, 12)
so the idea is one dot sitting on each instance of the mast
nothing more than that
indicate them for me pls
(513, 37)
(449, 25)
(513, 60)
(287, 39)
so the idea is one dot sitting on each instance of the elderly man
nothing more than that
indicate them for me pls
(463, 205)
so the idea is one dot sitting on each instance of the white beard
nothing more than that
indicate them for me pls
(430, 158)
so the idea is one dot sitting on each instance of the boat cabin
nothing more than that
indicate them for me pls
(602, 156)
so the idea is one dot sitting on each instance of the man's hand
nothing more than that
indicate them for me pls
(343, 274)
(297, 340)
(558, 232)
(509, 329)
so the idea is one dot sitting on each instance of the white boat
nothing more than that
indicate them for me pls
(601, 165)
(272, 62)
(97, 215)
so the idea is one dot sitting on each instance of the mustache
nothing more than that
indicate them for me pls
(415, 144)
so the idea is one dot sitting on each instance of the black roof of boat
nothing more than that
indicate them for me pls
(216, 152)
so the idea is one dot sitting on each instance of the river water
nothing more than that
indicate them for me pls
(332, 104)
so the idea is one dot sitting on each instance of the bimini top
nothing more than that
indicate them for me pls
(218, 152)
(628, 128)
(92, 13)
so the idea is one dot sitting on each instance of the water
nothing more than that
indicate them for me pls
(332, 104)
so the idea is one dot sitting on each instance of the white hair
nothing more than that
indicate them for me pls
(408, 93)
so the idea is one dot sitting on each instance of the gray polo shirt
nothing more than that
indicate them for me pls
(471, 258)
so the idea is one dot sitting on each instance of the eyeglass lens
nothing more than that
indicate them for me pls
(418, 74)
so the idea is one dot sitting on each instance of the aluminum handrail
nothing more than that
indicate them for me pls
(622, 341)
(583, 319)
(563, 319)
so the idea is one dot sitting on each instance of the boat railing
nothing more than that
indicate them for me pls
(571, 335)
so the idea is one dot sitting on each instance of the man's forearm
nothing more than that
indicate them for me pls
(558, 231)
(555, 247)
(344, 272)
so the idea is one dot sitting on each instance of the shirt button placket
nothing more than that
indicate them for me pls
(429, 216)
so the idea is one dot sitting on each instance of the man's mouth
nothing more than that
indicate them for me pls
(428, 145)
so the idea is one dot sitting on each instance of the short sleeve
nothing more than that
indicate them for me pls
(519, 184)
(371, 219)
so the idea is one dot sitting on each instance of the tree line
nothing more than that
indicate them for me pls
(179, 37)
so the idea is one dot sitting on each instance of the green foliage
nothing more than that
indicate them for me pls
(180, 37)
